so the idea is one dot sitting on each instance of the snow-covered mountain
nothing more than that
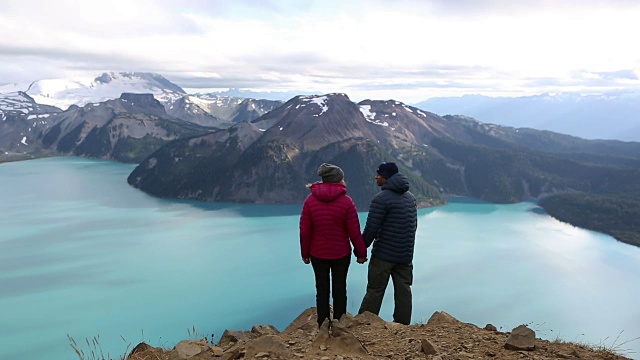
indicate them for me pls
(20, 116)
(126, 129)
(63, 93)
(56, 95)
(612, 115)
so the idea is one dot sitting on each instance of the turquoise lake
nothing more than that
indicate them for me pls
(84, 254)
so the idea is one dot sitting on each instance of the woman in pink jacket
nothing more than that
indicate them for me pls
(329, 224)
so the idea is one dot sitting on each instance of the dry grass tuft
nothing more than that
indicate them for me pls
(605, 348)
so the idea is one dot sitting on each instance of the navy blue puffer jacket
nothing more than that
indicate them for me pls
(392, 222)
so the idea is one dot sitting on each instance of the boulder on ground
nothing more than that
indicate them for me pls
(234, 352)
(521, 338)
(261, 330)
(231, 337)
(144, 351)
(490, 327)
(307, 321)
(441, 317)
(334, 337)
(368, 319)
(143, 346)
(187, 349)
(428, 348)
(270, 346)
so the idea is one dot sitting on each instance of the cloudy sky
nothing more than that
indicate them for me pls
(408, 50)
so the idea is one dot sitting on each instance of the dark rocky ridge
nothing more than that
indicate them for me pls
(270, 159)
(126, 129)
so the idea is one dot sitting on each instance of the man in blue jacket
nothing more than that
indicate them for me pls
(391, 227)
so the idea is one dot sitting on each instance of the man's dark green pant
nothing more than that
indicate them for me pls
(378, 279)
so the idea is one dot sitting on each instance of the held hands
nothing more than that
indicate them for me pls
(360, 260)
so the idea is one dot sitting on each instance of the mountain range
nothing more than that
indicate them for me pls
(613, 115)
(151, 109)
(215, 148)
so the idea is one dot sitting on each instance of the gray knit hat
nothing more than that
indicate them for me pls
(330, 173)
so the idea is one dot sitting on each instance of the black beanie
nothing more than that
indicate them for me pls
(330, 173)
(386, 169)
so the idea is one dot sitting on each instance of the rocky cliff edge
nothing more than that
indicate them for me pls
(367, 336)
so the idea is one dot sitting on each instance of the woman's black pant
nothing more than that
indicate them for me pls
(338, 269)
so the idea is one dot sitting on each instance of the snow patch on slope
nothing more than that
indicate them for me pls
(371, 116)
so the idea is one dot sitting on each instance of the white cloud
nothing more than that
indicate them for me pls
(410, 50)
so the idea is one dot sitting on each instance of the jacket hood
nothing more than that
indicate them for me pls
(327, 192)
(397, 183)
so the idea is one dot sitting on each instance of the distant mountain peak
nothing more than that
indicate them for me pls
(63, 93)
(320, 101)
(218, 110)
(268, 95)
(19, 102)
(104, 78)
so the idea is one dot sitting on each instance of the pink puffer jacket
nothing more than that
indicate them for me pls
(329, 222)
